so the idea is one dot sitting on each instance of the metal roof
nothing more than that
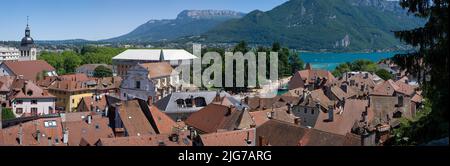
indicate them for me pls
(155, 55)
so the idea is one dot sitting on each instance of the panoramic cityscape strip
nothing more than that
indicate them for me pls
(304, 73)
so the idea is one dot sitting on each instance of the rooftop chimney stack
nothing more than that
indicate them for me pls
(330, 114)
(20, 134)
(89, 119)
(247, 140)
(66, 136)
(38, 136)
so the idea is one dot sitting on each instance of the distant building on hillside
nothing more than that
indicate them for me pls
(131, 57)
(9, 54)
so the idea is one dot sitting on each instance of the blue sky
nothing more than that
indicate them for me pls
(100, 19)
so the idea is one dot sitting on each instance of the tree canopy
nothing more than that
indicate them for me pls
(102, 71)
(429, 62)
(67, 61)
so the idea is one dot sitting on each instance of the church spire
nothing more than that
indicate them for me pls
(27, 30)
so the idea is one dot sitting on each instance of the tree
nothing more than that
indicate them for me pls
(296, 62)
(341, 69)
(71, 61)
(102, 71)
(7, 114)
(384, 74)
(429, 63)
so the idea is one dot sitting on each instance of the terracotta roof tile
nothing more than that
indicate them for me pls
(158, 69)
(148, 140)
(49, 135)
(134, 119)
(342, 121)
(245, 137)
(30, 91)
(81, 131)
(214, 117)
(164, 123)
(29, 69)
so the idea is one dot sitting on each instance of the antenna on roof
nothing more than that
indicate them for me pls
(27, 20)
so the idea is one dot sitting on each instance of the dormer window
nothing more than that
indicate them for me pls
(30, 93)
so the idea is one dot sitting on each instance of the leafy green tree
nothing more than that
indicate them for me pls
(102, 71)
(71, 61)
(384, 74)
(430, 64)
(7, 114)
(341, 69)
(296, 63)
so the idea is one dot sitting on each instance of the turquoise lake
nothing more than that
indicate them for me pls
(329, 61)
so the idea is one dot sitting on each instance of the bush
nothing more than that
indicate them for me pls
(102, 71)
(7, 114)
(384, 74)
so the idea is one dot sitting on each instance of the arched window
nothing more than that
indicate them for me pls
(29, 93)
(180, 102)
(200, 102)
(188, 102)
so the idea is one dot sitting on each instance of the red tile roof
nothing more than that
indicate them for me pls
(80, 132)
(164, 123)
(30, 91)
(158, 69)
(342, 121)
(147, 140)
(134, 119)
(230, 138)
(30, 130)
(214, 117)
(75, 77)
(87, 103)
(29, 69)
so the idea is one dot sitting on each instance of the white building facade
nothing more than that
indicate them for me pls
(9, 54)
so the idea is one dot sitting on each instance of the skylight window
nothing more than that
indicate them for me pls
(50, 123)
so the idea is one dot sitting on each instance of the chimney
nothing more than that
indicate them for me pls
(305, 94)
(20, 134)
(366, 75)
(66, 136)
(89, 119)
(271, 114)
(38, 136)
(49, 141)
(150, 100)
(290, 108)
(248, 140)
(330, 113)
(92, 106)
